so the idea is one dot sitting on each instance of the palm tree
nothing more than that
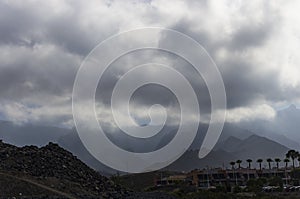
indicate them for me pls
(259, 161)
(239, 163)
(232, 165)
(292, 154)
(269, 160)
(249, 163)
(277, 160)
(286, 160)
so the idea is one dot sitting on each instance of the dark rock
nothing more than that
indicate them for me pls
(57, 168)
(52, 161)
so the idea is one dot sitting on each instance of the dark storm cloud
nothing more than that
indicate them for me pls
(28, 24)
(245, 85)
(29, 75)
(251, 36)
(72, 38)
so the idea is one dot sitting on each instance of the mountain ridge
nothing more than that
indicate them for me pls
(231, 138)
(221, 156)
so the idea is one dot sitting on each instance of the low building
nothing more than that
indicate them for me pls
(173, 179)
(231, 177)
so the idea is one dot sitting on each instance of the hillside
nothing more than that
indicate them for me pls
(52, 172)
(57, 168)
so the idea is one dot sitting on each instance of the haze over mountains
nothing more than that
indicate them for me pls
(28, 134)
(232, 149)
(284, 128)
(262, 139)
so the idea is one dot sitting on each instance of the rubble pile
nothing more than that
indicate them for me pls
(52, 161)
(59, 169)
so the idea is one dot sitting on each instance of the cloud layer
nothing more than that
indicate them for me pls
(42, 44)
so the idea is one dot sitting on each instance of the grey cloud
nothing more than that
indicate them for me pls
(23, 78)
(251, 36)
(55, 44)
(15, 23)
(151, 93)
(244, 80)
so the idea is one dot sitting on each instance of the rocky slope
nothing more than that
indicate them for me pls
(51, 165)
(52, 172)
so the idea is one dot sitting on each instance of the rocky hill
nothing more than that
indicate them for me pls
(57, 168)
(52, 172)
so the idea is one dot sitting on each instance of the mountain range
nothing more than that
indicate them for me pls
(264, 139)
(232, 149)
(283, 128)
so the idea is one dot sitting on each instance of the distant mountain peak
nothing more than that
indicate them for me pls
(292, 107)
(254, 136)
(233, 138)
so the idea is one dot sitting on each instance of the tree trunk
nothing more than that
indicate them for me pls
(260, 166)
(293, 163)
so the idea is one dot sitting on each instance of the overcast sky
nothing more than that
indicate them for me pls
(255, 45)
